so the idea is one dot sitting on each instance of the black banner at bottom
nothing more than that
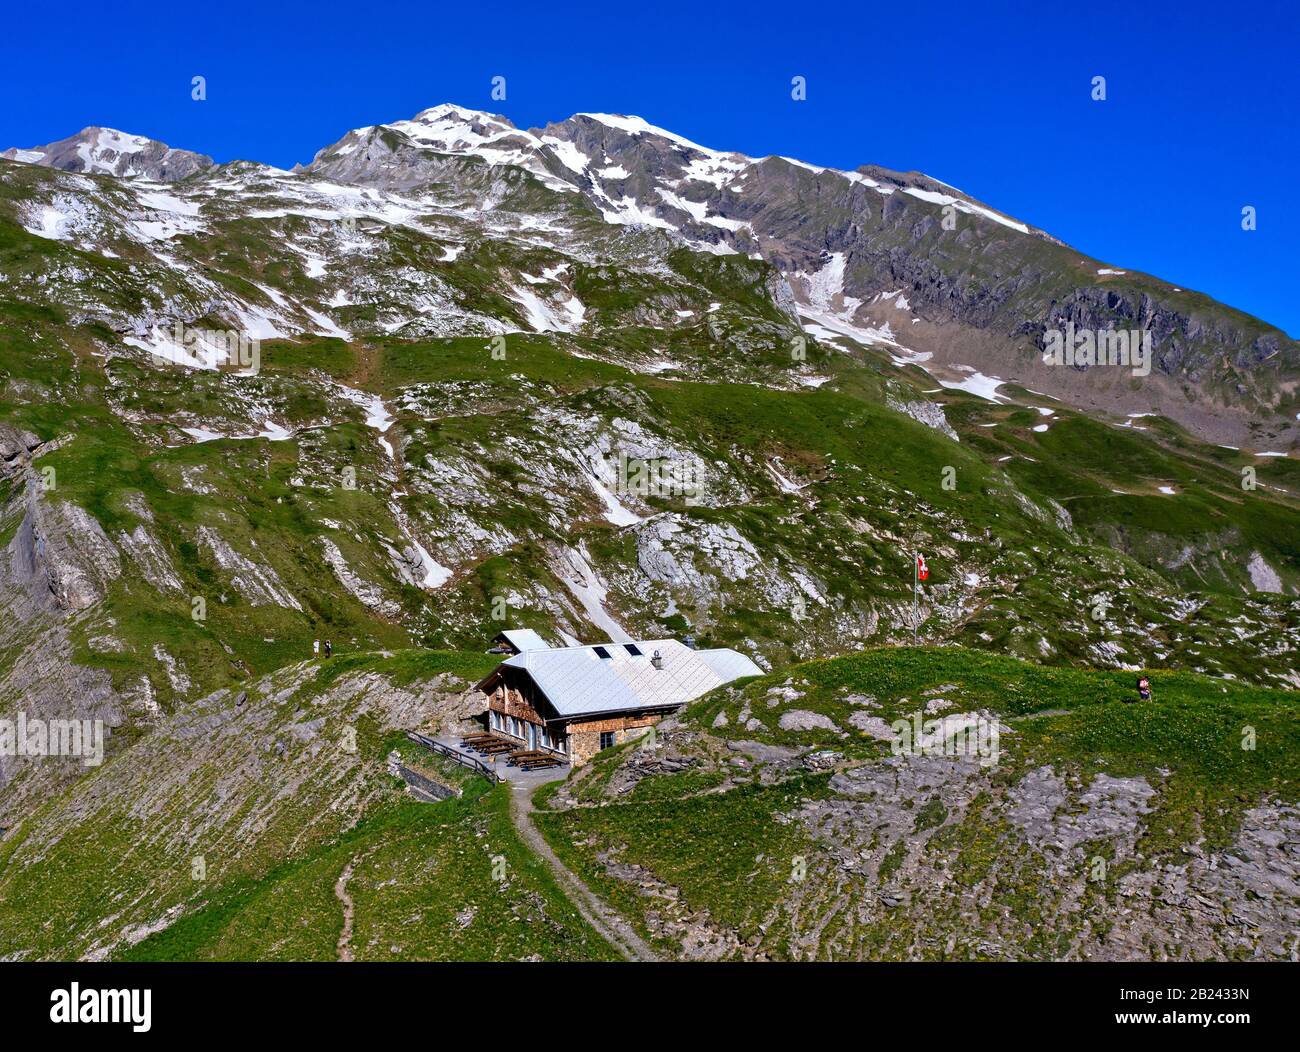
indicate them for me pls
(143, 1001)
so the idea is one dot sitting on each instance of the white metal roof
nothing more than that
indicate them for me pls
(524, 639)
(729, 664)
(579, 681)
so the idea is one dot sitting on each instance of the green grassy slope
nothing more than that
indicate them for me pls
(423, 887)
(272, 797)
(877, 483)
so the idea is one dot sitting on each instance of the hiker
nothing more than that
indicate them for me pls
(328, 649)
(1144, 688)
(315, 648)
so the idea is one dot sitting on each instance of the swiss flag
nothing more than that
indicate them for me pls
(922, 571)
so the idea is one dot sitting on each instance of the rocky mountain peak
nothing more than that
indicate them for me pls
(448, 113)
(636, 127)
(107, 151)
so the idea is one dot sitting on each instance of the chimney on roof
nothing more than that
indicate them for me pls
(689, 640)
(658, 660)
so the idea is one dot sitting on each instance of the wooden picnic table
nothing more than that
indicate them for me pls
(531, 758)
(541, 762)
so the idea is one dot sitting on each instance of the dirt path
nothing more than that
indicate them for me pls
(616, 931)
(341, 893)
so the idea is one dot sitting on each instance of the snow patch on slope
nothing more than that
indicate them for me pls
(578, 576)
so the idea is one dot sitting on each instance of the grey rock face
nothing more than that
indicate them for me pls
(57, 565)
(643, 762)
(60, 554)
(803, 720)
(16, 449)
(1111, 809)
(875, 726)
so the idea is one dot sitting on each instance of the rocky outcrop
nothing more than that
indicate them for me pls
(16, 450)
(927, 413)
(60, 555)
(367, 592)
(58, 564)
(256, 581)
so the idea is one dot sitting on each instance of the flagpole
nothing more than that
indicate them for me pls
(916, 580)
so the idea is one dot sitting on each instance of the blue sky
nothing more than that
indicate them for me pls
(1200, 119)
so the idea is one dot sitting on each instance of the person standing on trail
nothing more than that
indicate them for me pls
(315, 648)
(1144, 688)
(328, 649)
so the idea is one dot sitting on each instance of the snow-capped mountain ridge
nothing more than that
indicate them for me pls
(107, 151)
(955, 268)
(494, 138)
(459, 130)
(555, 155)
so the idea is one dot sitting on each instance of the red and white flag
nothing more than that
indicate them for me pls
(922, 571)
